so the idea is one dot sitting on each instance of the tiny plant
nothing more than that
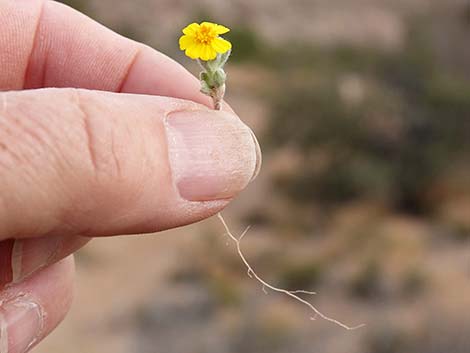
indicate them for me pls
(202, 42)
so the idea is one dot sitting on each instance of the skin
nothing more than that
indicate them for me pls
(96, 154)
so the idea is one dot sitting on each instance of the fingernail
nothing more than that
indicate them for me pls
(27, 256)
(212, 154)
(20, 325)
(259, 156)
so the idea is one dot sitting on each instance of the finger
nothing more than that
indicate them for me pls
(48, 44)
(75, 162)
(20, 258)
(30, 310)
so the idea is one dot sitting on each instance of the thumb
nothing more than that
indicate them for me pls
(98, 163)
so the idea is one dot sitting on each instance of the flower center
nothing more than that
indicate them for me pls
(205, 35)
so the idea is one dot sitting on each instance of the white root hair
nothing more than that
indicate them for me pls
(293, 294)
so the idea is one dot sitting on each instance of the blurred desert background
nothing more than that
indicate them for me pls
(362, 108)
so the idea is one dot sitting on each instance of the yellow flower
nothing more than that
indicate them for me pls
(202, 41)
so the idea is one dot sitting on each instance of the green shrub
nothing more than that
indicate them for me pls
(413, 283)
(391, 145)
(80, 5)
(368, 283)
(387, 340)
(302, 275)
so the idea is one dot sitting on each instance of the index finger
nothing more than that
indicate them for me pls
(47, 44)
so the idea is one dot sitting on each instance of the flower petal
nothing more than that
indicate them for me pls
(186, 41)
(193, 51)
(221, 45)
(210, 25)
(219, 29)
(208, 53)
(191, 29)
(203, 55)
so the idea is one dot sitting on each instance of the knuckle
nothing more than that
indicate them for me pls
(99, 137)
(109, 140)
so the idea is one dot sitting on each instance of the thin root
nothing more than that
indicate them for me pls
(293, 294)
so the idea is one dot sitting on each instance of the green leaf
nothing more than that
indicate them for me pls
(205, 88)
(219, 78)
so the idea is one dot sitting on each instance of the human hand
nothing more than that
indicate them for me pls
(123, 144)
